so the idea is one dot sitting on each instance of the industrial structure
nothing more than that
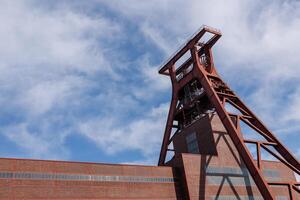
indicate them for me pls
(214, 147)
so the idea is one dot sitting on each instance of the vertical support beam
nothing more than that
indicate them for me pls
(168, 129)
(211, 66)
(258, 153)
(230, 127)
(290, 191)
(238, 125)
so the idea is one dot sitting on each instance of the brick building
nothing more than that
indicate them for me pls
(210, 158)
(206, 166)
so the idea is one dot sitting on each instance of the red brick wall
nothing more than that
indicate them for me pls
(200, 176)
(203, 172)
(66, 189)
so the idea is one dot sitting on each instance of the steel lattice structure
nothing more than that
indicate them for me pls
(199, 66)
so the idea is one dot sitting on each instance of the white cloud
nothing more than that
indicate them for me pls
(51, 58)
(147, 161)
(152, 34)
(43, 51)
(36, 145)
(294, 107)
(48, 57)
(151, 83)
(144, 135)
(62, 38)
(45, 95)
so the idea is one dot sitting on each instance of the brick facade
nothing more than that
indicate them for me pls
(216, 171)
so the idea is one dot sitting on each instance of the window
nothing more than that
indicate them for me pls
(192, 143)
(271, 173)
(281, 198)
(239, 197)
(42, 176)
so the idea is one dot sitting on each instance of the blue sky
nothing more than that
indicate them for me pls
(79, 81)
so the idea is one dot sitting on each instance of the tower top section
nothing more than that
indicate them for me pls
(203, 39)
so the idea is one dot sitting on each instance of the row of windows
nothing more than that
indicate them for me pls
(192, 143)
(42, 176)
(237, 176)
(235, 181)
(221, 197)
(269, 173)
(227, 170)
(232, 197)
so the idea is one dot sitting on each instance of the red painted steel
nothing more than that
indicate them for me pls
(218, 93)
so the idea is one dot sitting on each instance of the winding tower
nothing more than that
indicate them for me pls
(214, 137)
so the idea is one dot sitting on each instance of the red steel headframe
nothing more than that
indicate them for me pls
(219, 93)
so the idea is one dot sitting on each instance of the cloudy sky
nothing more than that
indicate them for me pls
(79, 81)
